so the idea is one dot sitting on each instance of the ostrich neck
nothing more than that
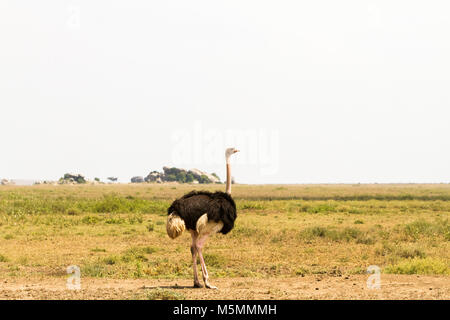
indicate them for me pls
(228, 176)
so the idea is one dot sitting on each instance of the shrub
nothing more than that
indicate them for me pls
(111, 260)
(73, 211)
(90, 220)
(411, 253)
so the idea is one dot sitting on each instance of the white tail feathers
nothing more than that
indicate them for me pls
(208, 227)
(175, 225)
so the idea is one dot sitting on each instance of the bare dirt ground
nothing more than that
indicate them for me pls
(308, 287)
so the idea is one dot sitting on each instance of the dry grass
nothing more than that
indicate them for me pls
(118, 231)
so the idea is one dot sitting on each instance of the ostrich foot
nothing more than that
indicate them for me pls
(197, 285)
(209, 286)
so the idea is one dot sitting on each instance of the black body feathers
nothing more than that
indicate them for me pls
(219, 206)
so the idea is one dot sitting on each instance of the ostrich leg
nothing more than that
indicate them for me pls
(194, 253)
(200, 243)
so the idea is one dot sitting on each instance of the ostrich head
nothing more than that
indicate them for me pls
(229, 152)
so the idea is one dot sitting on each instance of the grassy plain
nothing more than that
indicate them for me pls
(283, 233)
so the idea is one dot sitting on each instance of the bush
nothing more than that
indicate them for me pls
(411, 253)
(73, 211)
(111, 260)
(90, 220)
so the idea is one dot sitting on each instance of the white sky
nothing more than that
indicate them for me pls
(336, 91)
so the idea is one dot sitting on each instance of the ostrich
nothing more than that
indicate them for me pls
(203, 214)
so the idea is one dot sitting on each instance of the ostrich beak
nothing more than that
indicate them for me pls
(236, 151)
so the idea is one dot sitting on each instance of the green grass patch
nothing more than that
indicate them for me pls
(346, 234)
(214, 260)
(251, 205)
(420, 228)
(429, 266)
(164, 294)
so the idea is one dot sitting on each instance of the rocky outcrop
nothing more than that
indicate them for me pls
(6, 182)
(154, 176)
(137, 179)
(200, 176)
(181, 176)
(71, 178)
(174, 175)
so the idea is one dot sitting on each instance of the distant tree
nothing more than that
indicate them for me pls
(112, 179)
(169, 171)
(189, 178)
(70, 178)
(181, 177)
(171, 177)
(97, 179)
(204, 179)
(81, 180)
(215, 175)
(174, 174)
